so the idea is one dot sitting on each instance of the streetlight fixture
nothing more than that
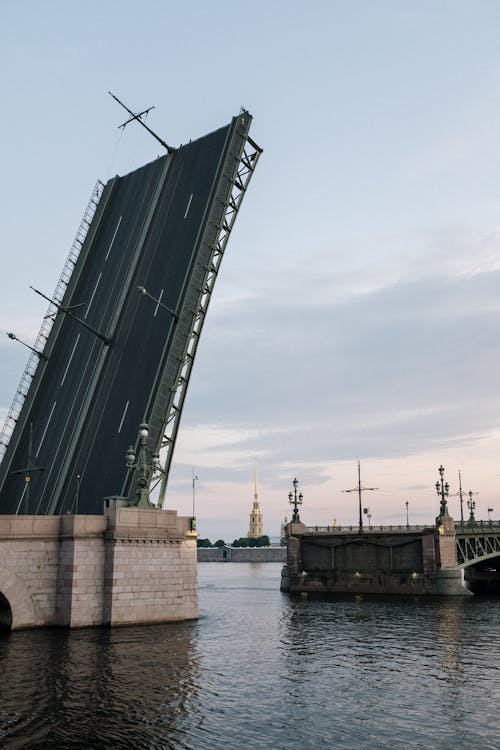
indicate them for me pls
(443, 490)
(143, 465)
(13, 337)
(407, 522)
(158, 301)
(195, 479)
(471, 504)
(490, 511)
(295, 500)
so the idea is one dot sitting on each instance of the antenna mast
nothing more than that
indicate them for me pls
(359, 489)
(137, 117)
(460, 494)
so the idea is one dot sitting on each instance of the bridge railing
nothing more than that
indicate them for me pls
(460, 528)
(475, 527)
(366, 529)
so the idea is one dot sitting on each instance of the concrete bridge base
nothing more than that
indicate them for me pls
(401, 560)
(451, 583)
(131, 565)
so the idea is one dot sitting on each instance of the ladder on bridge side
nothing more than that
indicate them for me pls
(48, 320)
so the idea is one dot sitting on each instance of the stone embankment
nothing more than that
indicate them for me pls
(242, 554)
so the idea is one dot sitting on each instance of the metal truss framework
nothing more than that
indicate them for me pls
(245, 168)
(477, 543)
(48, 320)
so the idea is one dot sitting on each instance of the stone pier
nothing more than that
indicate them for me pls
(131, 565)
(388, 560)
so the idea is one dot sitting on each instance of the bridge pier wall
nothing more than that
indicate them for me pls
(403, 561)
(81, 571)
(131, 565)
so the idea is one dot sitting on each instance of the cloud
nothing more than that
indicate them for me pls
(413, 346)
(404, 377)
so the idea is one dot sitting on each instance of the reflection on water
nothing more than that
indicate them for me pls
(263, 669)
(92, 687)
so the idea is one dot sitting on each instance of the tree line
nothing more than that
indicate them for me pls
(243, 541)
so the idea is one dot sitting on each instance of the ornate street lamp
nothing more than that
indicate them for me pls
(471, 504)
(443, 490)
(295, 500)
(143, 465)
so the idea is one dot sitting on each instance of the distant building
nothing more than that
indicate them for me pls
(255, 528)
(284, 524)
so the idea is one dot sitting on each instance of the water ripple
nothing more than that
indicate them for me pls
(263, 669)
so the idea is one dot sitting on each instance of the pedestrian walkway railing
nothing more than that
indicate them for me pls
(371, 528)
(465, 527)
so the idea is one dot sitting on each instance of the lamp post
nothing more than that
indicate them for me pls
(159, 303)
(143, 465)
(490, 511)
(77, 496)
(27, 472)
(295, 500)
(407, 522)
(443, 490)
(471, 504)
(195, 478)
(13, 337)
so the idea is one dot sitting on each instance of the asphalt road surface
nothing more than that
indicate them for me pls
(87, 401)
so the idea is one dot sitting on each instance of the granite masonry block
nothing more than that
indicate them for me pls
(59, 574)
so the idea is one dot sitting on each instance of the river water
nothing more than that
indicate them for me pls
(263, 670)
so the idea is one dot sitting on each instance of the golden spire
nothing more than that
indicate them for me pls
(255, 492)
(255, 528)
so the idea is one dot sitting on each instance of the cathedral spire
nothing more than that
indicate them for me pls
(255, 528)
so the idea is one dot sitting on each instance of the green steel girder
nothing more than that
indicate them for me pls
(474, 546)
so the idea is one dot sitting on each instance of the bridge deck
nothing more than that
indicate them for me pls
(88, 398)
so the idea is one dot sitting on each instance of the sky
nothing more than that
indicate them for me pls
(356, 312)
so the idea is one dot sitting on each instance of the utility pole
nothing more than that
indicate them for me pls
(460, 494)
(359, 489)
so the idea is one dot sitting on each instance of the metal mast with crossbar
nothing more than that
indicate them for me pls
(359, 489)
